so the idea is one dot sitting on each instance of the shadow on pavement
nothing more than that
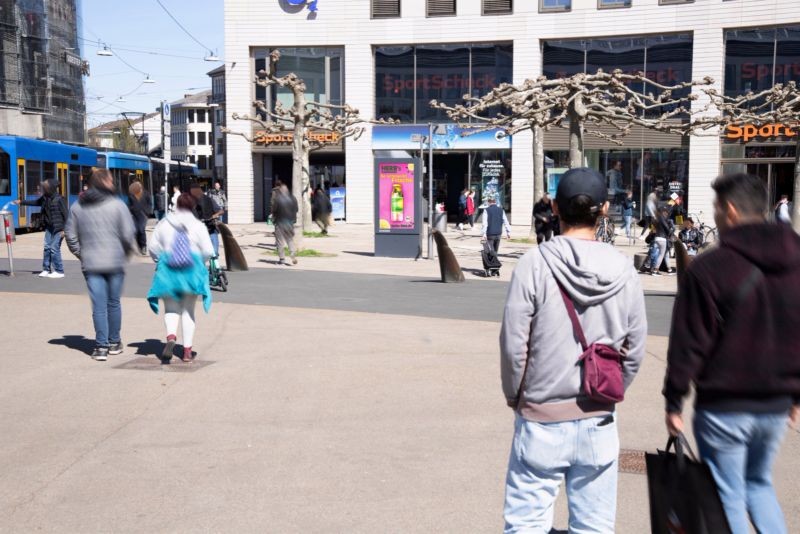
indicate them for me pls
(148, 347)
(368, 254)
(79, 343)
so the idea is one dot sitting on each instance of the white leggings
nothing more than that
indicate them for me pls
(183, 309)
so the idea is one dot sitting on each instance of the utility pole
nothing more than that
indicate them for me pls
(166, 147)
(431, 212)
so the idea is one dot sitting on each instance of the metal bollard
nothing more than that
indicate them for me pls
(7, 232)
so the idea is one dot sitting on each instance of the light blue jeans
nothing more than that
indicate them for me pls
(628, 220)
(545, 454)
(740, 449)
(105, 290)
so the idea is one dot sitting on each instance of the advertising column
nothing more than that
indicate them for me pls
(398, 217)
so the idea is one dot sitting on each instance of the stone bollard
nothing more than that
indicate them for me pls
(448, 265)
(234, 258)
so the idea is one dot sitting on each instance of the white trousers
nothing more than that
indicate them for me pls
(183, 311)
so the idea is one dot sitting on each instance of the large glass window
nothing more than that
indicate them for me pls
(5, 174)
(787, 55)
(443, 75)
(394, 83)
(749, 60)
(33, 178)
(321, 68)
(407, 78)
(563, 58)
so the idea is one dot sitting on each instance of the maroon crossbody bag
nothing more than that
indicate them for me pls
(602, 365)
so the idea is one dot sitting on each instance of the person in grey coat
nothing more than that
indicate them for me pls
(100, 233)
(560, 433)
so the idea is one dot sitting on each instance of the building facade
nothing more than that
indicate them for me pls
(389, 58)
(216, 103)
(192, 132)
(41, 70)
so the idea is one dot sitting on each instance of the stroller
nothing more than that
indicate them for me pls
(491, 263)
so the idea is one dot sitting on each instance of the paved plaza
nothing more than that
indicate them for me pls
(349, 394)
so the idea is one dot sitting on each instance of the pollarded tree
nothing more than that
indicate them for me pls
(308, 122)
(585, 104)
(772, 112)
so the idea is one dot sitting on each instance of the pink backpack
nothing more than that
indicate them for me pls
(602, 365)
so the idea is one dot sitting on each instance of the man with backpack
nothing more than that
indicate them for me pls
(54, 218)
(734, 336)
(574, 305)
(100, 233)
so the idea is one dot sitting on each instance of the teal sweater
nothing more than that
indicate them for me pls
(175, 283)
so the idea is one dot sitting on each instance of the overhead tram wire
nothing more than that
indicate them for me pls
(195, 39)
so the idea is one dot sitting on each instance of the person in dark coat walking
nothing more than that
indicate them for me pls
(284, 215)
(321, 208)
(543, 219)
(139, 206)
(54, 219)
(734, 337)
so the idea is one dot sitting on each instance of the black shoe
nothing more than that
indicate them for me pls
(655, 273)
(115, 348)
(100, 354)
(672, 272)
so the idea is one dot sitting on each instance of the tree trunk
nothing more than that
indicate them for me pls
(575, 141)
(299, 166)
(796, 196)
(306, 188)
(538, 173)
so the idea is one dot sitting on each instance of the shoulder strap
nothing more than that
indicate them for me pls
(573, 316)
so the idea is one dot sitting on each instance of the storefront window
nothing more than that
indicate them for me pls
(562, 59)
(442, 73)
(669, 62)
(787, 55)
(665, 170)
(749, 58)
(626, 54)
(394, 83)
(320, 68)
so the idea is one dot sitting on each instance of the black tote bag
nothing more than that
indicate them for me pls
(683, 495)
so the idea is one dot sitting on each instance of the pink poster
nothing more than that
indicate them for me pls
(395, 196)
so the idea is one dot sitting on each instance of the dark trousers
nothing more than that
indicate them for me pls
(494, 241)
(140, 223)
(544, 233)
(648, 221)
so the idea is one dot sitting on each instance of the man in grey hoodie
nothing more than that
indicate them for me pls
(559, 432)
(100, 233)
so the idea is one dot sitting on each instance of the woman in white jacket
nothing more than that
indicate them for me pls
(180, 246)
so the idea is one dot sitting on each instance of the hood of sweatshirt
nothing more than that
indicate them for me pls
(181, 217)
(772, 247)
(589, 271)
(95, 195)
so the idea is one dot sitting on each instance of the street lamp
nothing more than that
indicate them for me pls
(105, 52)
(148, 80)
(211, 56)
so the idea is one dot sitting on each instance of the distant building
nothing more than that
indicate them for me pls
(41, 70)
(217, 103)
(192, 132)
(135, 134)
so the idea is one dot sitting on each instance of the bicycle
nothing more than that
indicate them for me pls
(709, 233)
(604, 230)
(216, 276)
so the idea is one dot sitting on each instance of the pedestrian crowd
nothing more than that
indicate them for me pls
(573, 338)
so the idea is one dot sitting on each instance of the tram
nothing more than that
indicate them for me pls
(126, 168)
(25, 163)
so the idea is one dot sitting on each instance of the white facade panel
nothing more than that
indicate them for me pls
(271, 23)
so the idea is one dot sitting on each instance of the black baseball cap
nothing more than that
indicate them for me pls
(581, 181)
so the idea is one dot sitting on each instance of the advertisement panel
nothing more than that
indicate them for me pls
(338, 195)
(400, 138)
(396, 197)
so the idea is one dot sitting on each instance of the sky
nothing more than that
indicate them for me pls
(142, 35)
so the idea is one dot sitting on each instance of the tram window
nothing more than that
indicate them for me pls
(74, 183)
(101, 161)
(33, 177)
(5, 175)
(48, 171)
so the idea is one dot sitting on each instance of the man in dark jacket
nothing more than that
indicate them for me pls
(543, 219)
(664, 231)
(208, 212)
(494, 221)
(734, 335)
(321, 208)
(284, 215)
(54, 218)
